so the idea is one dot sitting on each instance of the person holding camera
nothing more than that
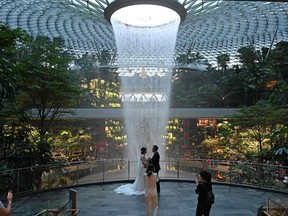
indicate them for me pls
(204, 185)
(6, 211)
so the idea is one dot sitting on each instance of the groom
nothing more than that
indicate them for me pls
(155, 160)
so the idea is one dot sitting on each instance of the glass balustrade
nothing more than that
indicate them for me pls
(40, 178)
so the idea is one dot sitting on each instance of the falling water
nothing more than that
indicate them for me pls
(145, 55)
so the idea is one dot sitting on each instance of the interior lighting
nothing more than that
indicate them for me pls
(146, 13)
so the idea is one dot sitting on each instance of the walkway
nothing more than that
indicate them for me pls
(176, 199)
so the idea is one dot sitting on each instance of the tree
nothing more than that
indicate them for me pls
(186, 81)
(99, 80)
(44, 90)
(83, 141)
(258, 121)
(278, 62)
(63, 141)
(10, 41)
(280, 140)
(232, 85)
(189, 57)
(248, 57)
(211, 94)
(278, 59)
(46, 87)
(279, 95)
(222, 61)
(258, 77)
(184, 89)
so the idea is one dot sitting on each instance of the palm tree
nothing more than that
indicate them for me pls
(222, 61)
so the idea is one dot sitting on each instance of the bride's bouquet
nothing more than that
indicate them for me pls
(149, 160)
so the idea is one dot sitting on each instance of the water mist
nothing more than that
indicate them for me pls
(145, 39)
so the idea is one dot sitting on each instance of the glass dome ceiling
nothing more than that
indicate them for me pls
(210, 28)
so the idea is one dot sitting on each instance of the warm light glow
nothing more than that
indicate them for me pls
(271, 84)
(145, 15)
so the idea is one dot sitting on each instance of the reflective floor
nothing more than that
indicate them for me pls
(176, 198)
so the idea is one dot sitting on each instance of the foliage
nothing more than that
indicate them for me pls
(258, 77)
(282, 150)
(258, 122)
(223, 146)
(186, 82)
(116, 137)
(189, 58)
(248, 57)
(62, 141)
(253, 174)
(279, 96)
(59, 177)
(222, 61)
(212, 94)
(278, 60)
(45, 88)
(175, 139)
(38, 87)
(280, 139)
(10, 42)
(98, 80)
(34, 74)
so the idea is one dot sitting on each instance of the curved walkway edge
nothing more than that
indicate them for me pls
(177, 198)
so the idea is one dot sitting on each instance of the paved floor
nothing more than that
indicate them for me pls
(176, 198)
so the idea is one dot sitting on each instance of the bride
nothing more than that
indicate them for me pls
(137, 188)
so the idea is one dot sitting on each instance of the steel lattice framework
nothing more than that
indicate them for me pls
(210, 28)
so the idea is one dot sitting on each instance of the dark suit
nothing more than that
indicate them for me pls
(156, 163)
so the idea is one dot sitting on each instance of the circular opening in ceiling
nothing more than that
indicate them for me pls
(145, 12)
(145, 15)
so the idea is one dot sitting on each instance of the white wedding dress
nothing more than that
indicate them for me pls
(137, 188)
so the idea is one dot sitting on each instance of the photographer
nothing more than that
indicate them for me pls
(6, 211)
(204, 185)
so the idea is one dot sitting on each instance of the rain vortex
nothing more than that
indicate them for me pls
(145, 55)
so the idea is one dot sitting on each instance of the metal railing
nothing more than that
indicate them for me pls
(40, 178)
(70, 208)
(274, 209)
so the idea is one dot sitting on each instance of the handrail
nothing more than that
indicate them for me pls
(54, 212)
(227, 162)
(274, 208)
(73, 210)
(23, 180)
